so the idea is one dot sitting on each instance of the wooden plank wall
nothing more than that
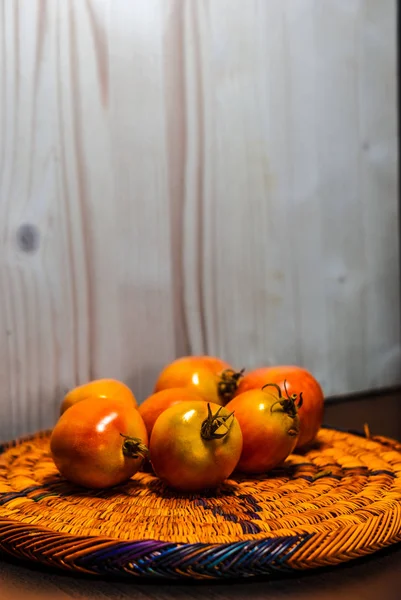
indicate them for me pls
(185, 176)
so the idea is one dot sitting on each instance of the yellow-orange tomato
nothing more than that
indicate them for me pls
(298, 381)
(157, 403)
(269, 425)
(98, 388)
(213, 378)
(195, 445)
(98, 444)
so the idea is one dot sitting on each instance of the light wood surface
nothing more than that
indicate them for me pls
(195, 176)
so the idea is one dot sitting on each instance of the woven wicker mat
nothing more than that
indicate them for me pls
(339, 501)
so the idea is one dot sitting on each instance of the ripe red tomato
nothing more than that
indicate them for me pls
(298, 380)
(270, 427)
(195, 445)
(213, 378)
(157, 403)
(98, 388)
(98, 444)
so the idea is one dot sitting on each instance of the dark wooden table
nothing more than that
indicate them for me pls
(371, 578)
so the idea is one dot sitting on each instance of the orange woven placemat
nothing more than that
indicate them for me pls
(339, 501)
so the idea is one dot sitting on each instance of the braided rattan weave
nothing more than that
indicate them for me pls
(339, 501)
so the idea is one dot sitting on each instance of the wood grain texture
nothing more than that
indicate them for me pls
(181, 176)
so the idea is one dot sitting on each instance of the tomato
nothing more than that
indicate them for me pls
(153, 406)
(298, 380)
(195, 445)
(98, 444)
(270, 427)
(99, 388)
(213, 378)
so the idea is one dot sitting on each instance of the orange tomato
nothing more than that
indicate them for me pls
(270, 427)
(157, 403)
(98, 444)
(98, 388)
(213, 378)
(195, 445)
(298, 380)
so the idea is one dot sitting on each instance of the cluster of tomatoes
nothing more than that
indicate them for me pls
(203, 421)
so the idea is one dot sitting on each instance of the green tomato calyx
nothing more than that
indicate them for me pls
(290, 405)
(134, 447)
(216, 426)
(228, 384)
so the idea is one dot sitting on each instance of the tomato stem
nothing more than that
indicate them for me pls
(275, 385)
(289, 404)
(213, 423)
(134, 447)
(228, 384)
